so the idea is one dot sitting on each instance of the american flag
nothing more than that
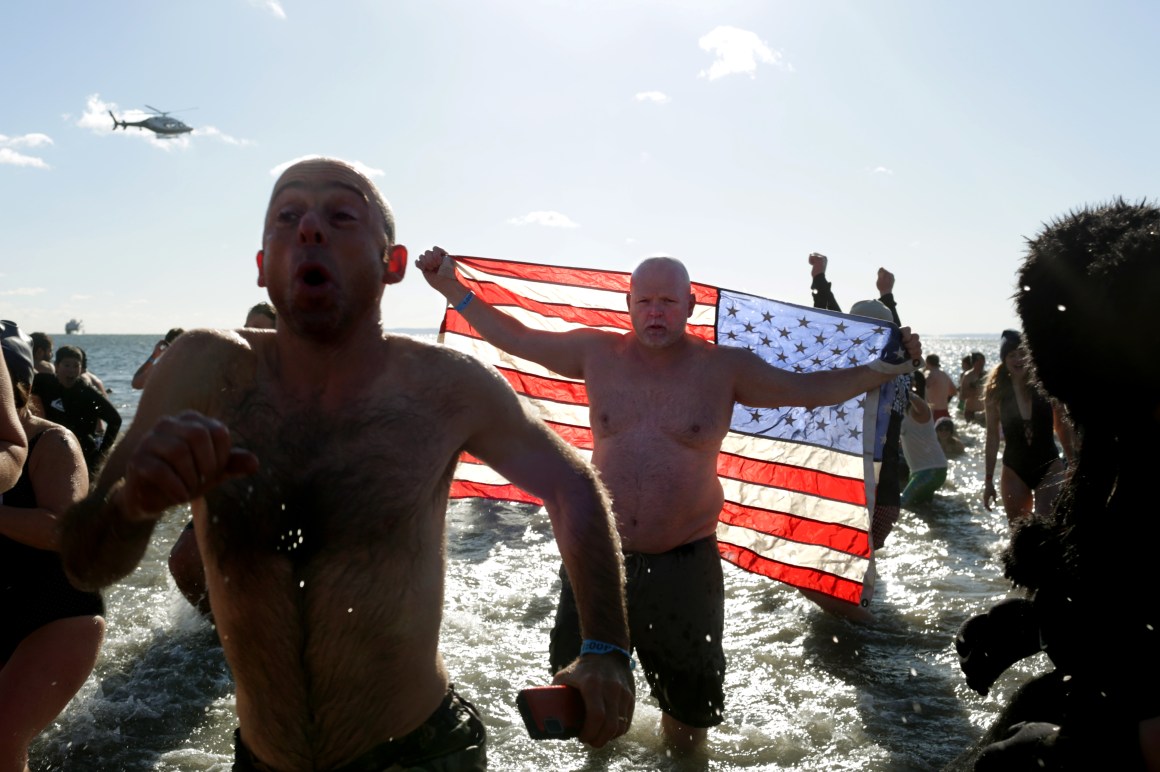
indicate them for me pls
(798, 483)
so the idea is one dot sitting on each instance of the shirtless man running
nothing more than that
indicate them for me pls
(660, 401)
(318, 461)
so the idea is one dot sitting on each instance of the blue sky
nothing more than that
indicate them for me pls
(927, 137)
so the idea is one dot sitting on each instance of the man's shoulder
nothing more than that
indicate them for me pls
(198, 356)
(431, 360)
(215, 343)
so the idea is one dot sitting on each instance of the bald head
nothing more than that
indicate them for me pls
(661, 265)
(348, 176)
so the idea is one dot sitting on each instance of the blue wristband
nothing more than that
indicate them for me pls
(462, 304)
(590, 646)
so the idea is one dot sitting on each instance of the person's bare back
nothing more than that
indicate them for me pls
(939, 389)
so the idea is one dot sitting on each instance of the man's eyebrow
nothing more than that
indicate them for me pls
(292, 184)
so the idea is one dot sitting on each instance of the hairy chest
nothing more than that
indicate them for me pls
(331, 484)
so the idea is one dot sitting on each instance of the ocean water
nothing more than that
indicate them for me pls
(805, 691)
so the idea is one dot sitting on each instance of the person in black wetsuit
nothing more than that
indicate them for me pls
(888, 495)
(51, 632)
(1032, 471)
(1088, 304)
(71, 402)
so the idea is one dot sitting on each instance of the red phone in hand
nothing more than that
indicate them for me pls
(551, 712)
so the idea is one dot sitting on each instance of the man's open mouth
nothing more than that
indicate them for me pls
(313, 275)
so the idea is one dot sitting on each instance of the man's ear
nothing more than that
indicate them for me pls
(396, 264)
(261, 273)
(628, 300)
(692, 304)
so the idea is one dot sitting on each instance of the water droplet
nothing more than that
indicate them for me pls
(1066, 678)
(350, 610)
(283, 507)
(709, 638)
(913, 673)
(1026, 287)
(916, 707)
(302, 583)
(1148, 626)
(1061, 307)
(835, 639)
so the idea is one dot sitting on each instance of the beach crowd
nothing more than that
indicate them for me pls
(316, 451)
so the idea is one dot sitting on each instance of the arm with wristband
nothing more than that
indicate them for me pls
(561, 352)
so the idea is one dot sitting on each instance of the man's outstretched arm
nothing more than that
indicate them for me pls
(760, 384)
(560, 352)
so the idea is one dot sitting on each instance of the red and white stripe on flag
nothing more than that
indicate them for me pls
(794, 511)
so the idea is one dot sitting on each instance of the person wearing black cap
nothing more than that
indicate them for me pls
(1032, 470)
(51, 632)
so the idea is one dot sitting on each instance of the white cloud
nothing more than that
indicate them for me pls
(81, 297)
(882, 170)
(738, 52)
(25, 140)
(273, 6)
(9, 157)
(368, 171)
(547, 219)
(218, 134)
(630, 240)
(23, 292)
(657, 97)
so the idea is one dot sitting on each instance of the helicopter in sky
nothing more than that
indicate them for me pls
(160, 123)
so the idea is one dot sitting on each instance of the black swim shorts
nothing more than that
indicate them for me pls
(676, 615)
(451, 740)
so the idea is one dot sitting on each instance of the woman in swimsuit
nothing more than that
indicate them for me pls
(1032, 470)
(51, 632)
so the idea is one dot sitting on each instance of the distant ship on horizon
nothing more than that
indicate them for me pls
(74, 325)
